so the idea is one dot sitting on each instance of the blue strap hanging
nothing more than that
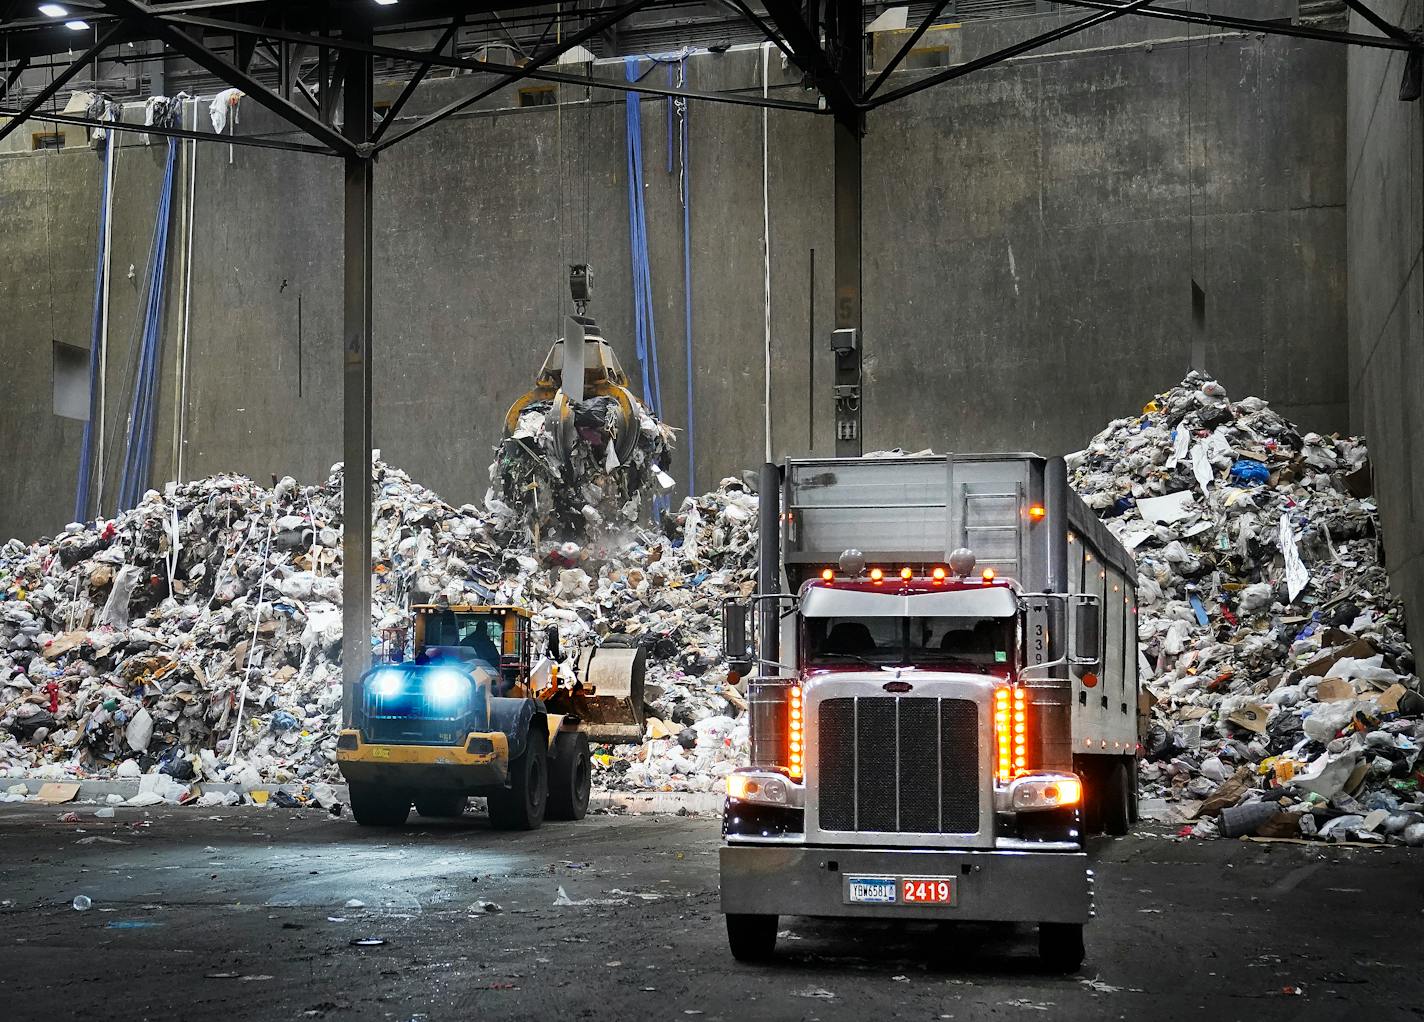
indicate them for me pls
(96, 340)
(138, 450)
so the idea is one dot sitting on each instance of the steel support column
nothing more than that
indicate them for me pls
(356, 483)
(850, 128)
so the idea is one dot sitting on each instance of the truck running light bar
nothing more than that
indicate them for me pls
(827, 574)
(795, 730)
(1010, 733)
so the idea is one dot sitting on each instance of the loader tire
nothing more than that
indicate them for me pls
(522, 805)
(441, 805)
(752, 938)
(376, 806)
(1116, 788)
(570, 777)
(1060, 946)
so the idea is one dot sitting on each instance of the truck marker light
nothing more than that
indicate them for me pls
(988, 574)
(938, 574)
(1037, 512)
(795, 732)
(876, 574)
(827, 574)
(906, 573)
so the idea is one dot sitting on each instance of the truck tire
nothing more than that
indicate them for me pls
(1116, 788)
(1060, 946)
(522, 805)
(752, 938)
(1135, 776)
(570, 777)
(375, 806)
(1094, 791)
(437, 805)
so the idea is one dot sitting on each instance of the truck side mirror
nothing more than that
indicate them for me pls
(1087, 631)
(552, 638)
(735, 644)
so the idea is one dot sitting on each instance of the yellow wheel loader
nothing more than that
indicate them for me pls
(466, 716)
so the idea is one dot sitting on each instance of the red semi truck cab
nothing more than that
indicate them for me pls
(923, 741)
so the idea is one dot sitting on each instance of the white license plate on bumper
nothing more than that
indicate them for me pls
(894, 890)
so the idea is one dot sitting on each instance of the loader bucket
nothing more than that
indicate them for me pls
(609, 697)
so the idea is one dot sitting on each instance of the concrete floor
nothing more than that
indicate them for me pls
(240, 914)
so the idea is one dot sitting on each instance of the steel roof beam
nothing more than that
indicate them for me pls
(138, 14)
(1249, 25)
(1009, 52)
(114, 34)
(551, 53)
(149, 129)
(409, 90)
(492, 67)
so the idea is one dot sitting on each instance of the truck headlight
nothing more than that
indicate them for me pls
(446, 687)
(766, 788)
(1045, 791)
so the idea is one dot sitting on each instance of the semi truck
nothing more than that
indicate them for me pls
(942, 675)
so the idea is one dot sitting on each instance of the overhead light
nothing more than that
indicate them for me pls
(53, 10)
(76, 25)
(385, 3)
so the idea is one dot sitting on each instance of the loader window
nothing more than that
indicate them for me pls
(479, 633)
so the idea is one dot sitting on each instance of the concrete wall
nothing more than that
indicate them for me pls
(1386, 299)
(1031, 235)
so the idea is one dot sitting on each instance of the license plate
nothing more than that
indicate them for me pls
(870, 890)
(927, 890)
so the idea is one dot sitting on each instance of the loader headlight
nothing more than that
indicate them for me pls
(386, 683)
(446, 688)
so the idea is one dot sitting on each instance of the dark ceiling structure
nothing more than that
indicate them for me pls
(825, 40)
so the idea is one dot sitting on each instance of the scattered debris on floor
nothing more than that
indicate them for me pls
(1284, 696)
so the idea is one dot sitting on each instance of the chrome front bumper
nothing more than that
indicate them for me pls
(1007, 886)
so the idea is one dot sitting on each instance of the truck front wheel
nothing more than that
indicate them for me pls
(752, 937)
(521, 806)
(1060, 946)
(376, 806)
(570, 777)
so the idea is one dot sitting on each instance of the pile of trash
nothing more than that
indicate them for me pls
(593, 489)
(1285, 701)
(199, 635)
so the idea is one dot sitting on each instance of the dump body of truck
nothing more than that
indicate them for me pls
(944, 698)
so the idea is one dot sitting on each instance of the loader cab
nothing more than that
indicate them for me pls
(496, 636)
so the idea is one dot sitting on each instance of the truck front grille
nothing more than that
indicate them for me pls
(898, 765)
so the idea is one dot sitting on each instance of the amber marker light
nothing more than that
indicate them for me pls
(795, 731)
(906, 573)
(1038, 512)
(827, 574)
(988, 575)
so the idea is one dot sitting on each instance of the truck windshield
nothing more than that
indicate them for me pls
(914, 641)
